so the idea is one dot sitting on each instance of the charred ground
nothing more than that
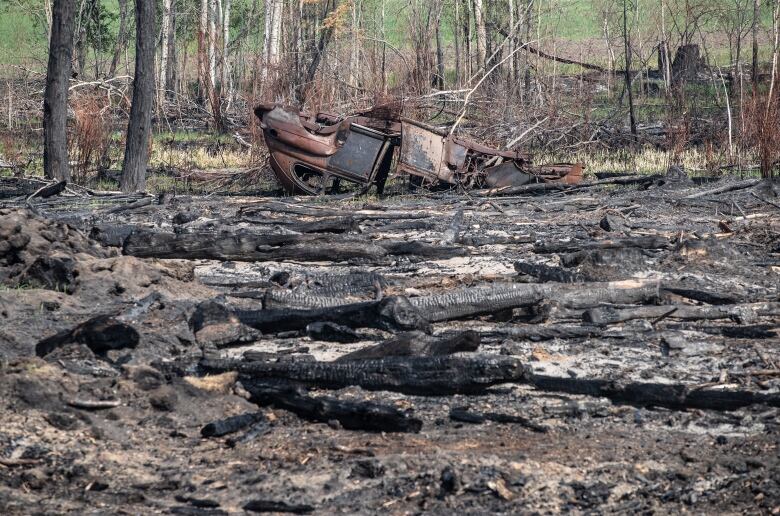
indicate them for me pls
(615, 348)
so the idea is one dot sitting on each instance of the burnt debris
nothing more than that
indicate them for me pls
(318, 153)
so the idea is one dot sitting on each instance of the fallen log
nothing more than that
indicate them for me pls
(391, 313)
(416, 344)
(426, 376)
(311, 211)
(248, 247)
(485, 300)
(711, 298)
(141, 203)
(48, 190)
(301, 299)
(352, 415)
(324, 225)
(739, 312)
(537, 332)
(675, 395)
(643, 242)
(731, 187)
(422, 249)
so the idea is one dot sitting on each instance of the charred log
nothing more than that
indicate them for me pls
(352, 415)
(391, 313)
(644, 242)
(740, 312)
(476, 301)
(248, 247)
(675, 396)
(426, 376)
(417, 344)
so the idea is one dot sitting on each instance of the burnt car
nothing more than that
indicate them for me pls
(316, 153)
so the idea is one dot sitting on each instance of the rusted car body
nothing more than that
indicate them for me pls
(316, 153)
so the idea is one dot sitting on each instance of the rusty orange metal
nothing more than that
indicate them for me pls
(316, 153)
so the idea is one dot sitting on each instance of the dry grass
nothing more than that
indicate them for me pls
(219, 383)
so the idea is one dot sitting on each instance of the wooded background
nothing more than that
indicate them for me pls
(559, 76)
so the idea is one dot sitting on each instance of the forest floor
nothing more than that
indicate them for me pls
(651, 351)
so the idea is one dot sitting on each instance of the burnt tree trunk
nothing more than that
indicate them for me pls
(139, 128)
(55, 101)
(627, 44)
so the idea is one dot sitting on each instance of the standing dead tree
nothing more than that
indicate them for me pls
(139, 128)
(55, 102)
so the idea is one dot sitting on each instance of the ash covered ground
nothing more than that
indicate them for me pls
(610, 349)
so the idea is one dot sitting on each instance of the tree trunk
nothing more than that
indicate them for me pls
(162, 83)
(202, 45)
(225, 79)
(627, 45)
(439, 55)
(754, 70)
(170, 76)
(121, 38)
(479, 20)
(139, 128)
(55, 101)
(212, 48)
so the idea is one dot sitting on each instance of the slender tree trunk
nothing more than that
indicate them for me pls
(121, 38)
(439, 54)
(384, 49)
(627, 45)
(212, 47)
(167, 13)
(170, 76)
(754, 69)
(456, 25)
(354, 53)
(202, 50)
(511, 46)
(479, 20)
(139, 128)
(225, 79)
(55, 100)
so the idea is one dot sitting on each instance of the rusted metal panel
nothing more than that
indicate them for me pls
(314, 153)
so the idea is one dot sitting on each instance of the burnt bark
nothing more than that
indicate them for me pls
(391, 313)
(417, 344)
(476, 301)
(55, 98)
(643, 242)
(425, 376)
(352, 415)
(675, 396)
(739, 312)
(248, 247)
(139, 127)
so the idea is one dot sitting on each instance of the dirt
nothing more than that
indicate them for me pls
(143, 451)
